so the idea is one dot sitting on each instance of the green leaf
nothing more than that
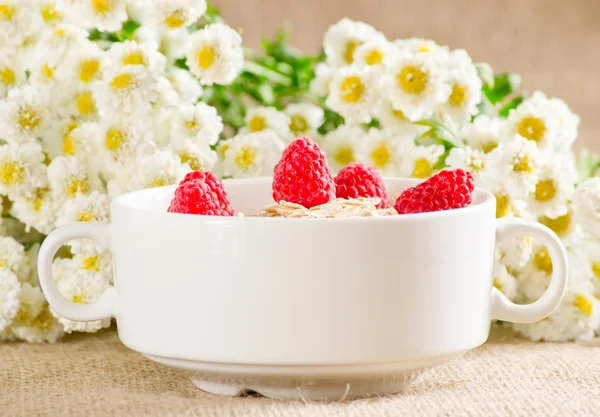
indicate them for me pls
(504, 84)
(212, 14)
(485, 72)
(128, 29)
(182, 63)
(512, 104)
(587, 164)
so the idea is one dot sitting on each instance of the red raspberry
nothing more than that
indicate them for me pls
(201, 193)
(446, 190)
(303, 176)
(358, 180)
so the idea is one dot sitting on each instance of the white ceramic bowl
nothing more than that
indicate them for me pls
(312, 308)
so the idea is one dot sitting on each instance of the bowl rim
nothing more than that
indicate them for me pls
(122, 201)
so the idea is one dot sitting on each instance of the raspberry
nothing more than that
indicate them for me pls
(358, 180)
(446, 190)
(303, 176)
(201, 193)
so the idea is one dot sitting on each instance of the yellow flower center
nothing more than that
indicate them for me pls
(7, 76)
(158, 182)
(11, 173)
(206, 57)
(191, 160)
(257, 124)
(596, 269)
(476, 164)
(545, 190)
(458, 95)
(38, 200)
(91, 263)
(68, 146)
(175, 20)
(47, 72)
(488, 147)
(101, 6)
(59, 32)
(245, 157)
(423, 168)
(498, 284)
(559, 225)
(531, 128)
(88, 70)
(352, 89)
(542, 261)
(344, 155)
(399, 114)
(49, 13)
(114, 138)
(134, 58)
(7, 11)
(424, 49)
(28, 118)
(373, 57)
(85, 216)
(413, 80)
(522, 164)
(503, 206)
(381, 156)
(349, 53)
(298, 124)
(85, 103)
(192, 126)
(121, 81)
(78, 299)
(583, 304)
(76, 186)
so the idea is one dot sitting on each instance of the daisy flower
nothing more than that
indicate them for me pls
(12, 74)
(23, 115)
(17, 22)
(466, 87)
(133, 53)
(92, 207)
(22, 169)
(394, 120)
(12, 256)
(10, 297)
(554, 188)
(31, 305)
(38, 210)
(342, 39)
(378, 53)
(59, 44)
(89, 256)
(104, 15)
(175, 14)
(56, 135)
(422, 46)
(185, 85)
(567, 124)
(504, 281)
(253, 154)
(485, 133)
(354, 93)
(198, 156)
(50, 15)
(586, 205)
(467, 158)
(86, 65)
(305, 119)
(41, 328)
(261, 119)
(340, 145)
(214, 54)
(515, 252)
(418, 161)
(416, 85)
(84, 287)
(198, 123)
(70, 176)
(380, 149)
(323, 76)
(129, 89)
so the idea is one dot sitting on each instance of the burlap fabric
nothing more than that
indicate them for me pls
(95, 375)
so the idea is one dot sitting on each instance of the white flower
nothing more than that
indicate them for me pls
(92, 207)
(567, 124)
(305, 119)
(467, 158)
(378, 53)
(199, 123)
(42, 328)
(104, 15)
(323, 76)
(86, 65)
(59, 45)
(198, 157)
(56, 136)
(215, 54)
(188, 88)
(416, 85)
(12, 257)
(342, 39)
(418, 161)
(18, 20)
(586, 205)
(423, 46)
(260, 119)
(120, 139)
(340, 145)
(12, 73)
(394, 120)
(253, 154)
(466, 87)
(175, 14)
(47, 9)
(22, 169)
(83, 287)
(515, 252)
(485, 133)
(554, 188)
(10, 297)
(535, 119)
(163, 167)
(173, 43)
(37, 210)
(504, 281)
(133, 53)
(89, 256)
(80, 141)
(516, 164)
(129, 89)
(380, 149)
(23, 115)
(70, 176)
(63, 268)
(32, 304)
(354, 94)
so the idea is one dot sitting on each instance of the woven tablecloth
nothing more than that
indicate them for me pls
(96, 375)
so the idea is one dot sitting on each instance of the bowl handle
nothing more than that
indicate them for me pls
(105, 306)
(502, 308)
